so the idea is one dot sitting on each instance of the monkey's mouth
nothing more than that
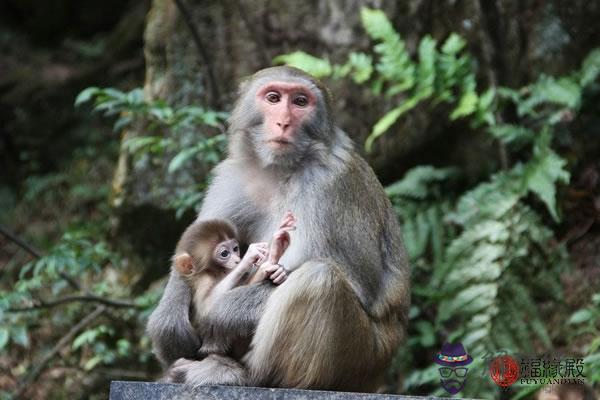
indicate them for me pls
(279, 143)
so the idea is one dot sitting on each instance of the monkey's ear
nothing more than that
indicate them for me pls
(184, 263)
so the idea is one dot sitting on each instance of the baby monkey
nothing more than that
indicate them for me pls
(208, 257)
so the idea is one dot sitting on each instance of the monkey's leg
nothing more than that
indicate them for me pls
(315, 334)
(234, 317)
(213, 370)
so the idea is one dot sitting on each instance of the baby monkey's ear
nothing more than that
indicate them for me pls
(184, 263)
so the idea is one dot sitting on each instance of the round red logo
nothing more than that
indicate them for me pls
(504, 370)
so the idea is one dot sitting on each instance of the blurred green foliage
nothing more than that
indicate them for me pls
(177, 132)
(130, 107)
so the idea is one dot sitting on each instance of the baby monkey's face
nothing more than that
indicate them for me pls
(227, 253)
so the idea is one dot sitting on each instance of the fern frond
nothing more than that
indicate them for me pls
(512, 134)
(547, 90)
(416, 183)
(395, 65)
(543, 172)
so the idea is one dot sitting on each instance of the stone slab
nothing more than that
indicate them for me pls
(124, 390)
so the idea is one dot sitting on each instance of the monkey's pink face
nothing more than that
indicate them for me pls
(285, 106)
(227, 253)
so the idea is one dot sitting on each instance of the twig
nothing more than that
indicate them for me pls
(63, 342)
(70, 299)
(187, 18)
(20, 242)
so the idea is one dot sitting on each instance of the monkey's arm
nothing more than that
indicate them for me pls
(255, 253)
(169, 326)
(378, 269)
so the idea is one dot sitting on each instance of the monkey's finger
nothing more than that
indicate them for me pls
(280, 279)
(291, 215)
(271, 268)
(288, 220)
(277, 273)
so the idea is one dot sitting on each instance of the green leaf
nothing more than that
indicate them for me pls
(85, 337)
(581, 316)
(454, 44)
(181, 158)
(388, 120)
(376, 23)
(122, 122)
(466, 106)
(136, 96)
(508, 133)
(116, 94)
(86, 95)
(137, 144)
(426, 72)
(543, 173)
(312, 65)
(590, 68)
(361, 66)
(92, 362)
(564, 91)
(417, 181)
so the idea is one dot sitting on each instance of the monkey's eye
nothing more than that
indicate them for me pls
(273, 97)
(236, 249)
(301, 101)
(224, 253)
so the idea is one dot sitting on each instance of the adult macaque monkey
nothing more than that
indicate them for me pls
(340, 316)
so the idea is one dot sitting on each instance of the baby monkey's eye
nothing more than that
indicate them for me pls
(236, 249)
(224, 253)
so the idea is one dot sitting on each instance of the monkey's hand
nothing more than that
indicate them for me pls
(256, 254)
(275, 272)
(281, 238)
(288, 221)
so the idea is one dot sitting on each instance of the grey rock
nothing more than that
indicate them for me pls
(121, 390)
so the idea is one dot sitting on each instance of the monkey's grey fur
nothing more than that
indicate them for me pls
(340, 316)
